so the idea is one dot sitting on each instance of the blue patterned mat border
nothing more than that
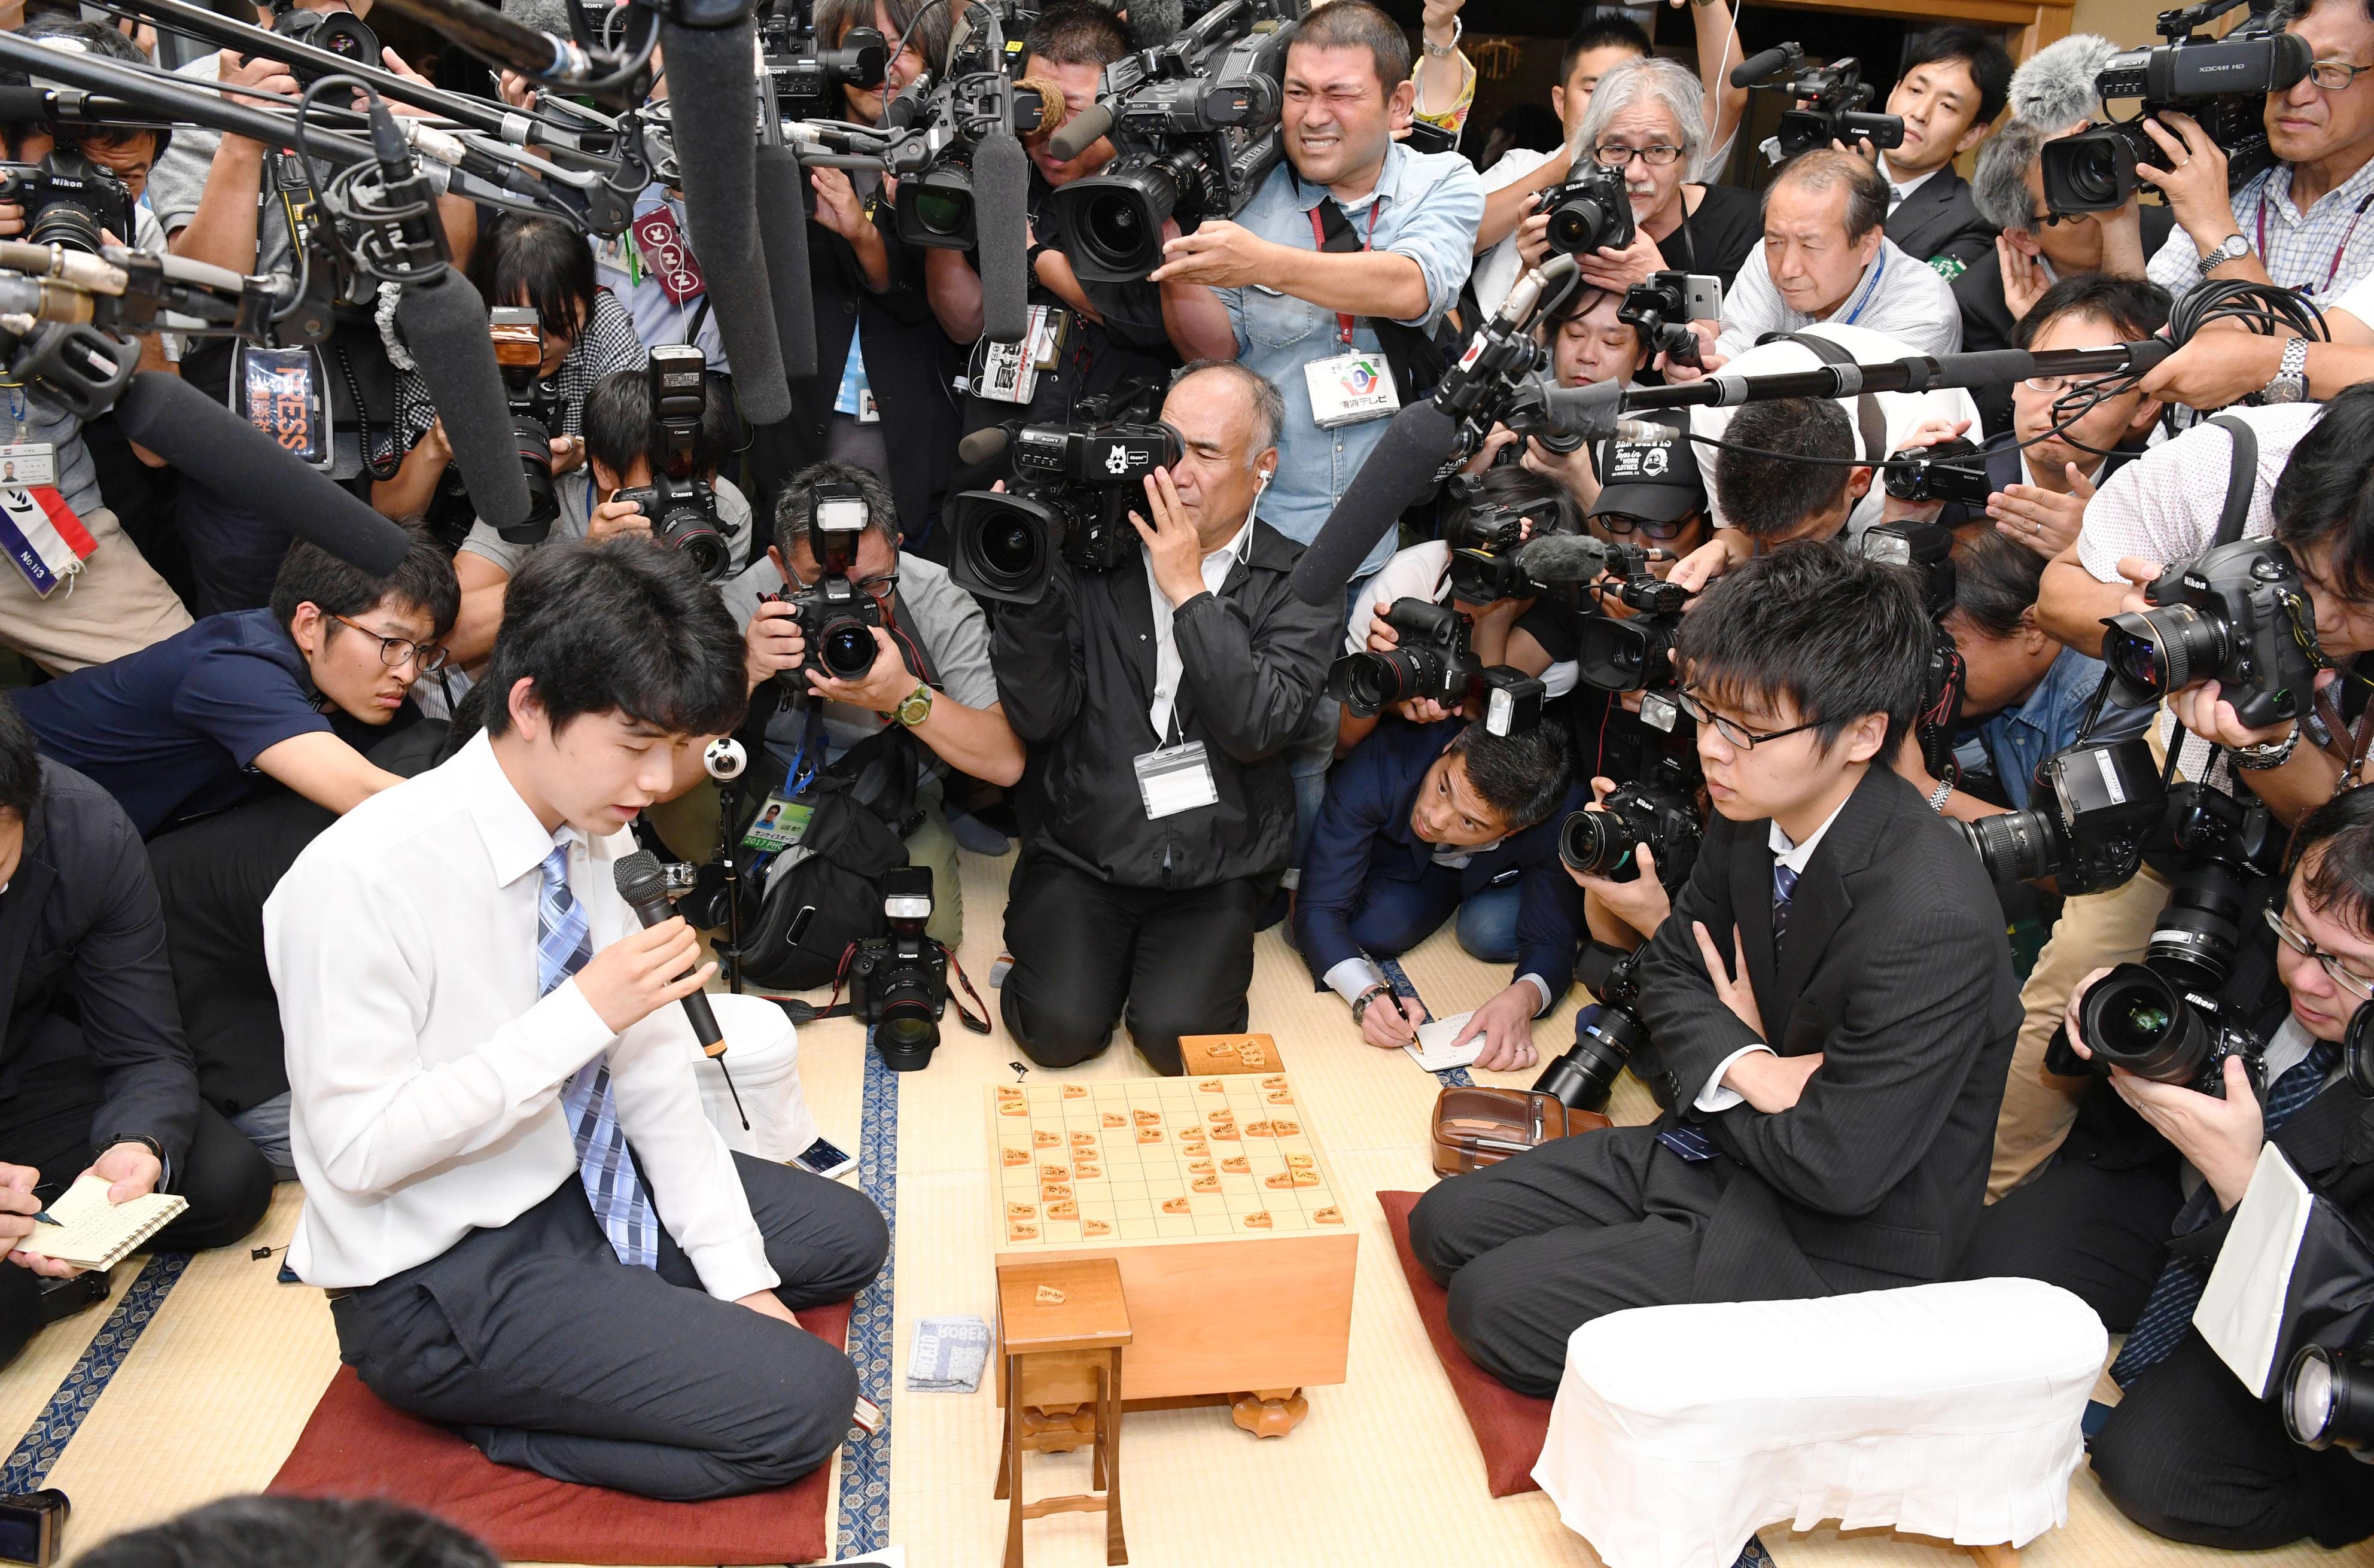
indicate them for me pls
(866, 1464)
(45, 1443)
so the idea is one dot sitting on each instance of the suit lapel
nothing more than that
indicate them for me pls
(1821, 903)
(1751, 907)
(20, 915)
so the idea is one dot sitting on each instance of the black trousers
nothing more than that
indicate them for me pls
(534, 1343)
(20, 1309)
(2189, 1454)
(1179, 960)
(2101, 1235)
(46, 1124)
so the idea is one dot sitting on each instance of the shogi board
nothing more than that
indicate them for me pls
(1212, 1195)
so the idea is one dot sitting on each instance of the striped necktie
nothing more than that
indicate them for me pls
(2168, 1311)
(620, 1205)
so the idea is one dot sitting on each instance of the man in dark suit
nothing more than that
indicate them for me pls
(94, 1073)
(1955, 82)
(1831, 1002)
(1423, 820)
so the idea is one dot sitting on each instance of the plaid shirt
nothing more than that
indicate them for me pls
(607, 343)
(2300, 249)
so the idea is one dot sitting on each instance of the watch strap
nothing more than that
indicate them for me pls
(1444, 51)
(2232, 248)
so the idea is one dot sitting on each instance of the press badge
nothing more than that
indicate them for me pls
(279, 392)
(1175, 778)
(780, 824)
(29, 462)
(1350, 388)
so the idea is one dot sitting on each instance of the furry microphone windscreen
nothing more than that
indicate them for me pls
(2055, 89)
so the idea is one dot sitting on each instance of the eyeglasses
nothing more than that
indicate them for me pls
(877, 586)
(1739, 735)
(1617, 522)
(395, 652)
(1615, 154)
(2334, 76)
(2356, 985)
(2058, 384)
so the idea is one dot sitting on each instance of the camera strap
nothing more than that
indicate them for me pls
(2241, 478)
(1418, 361)
(1871, 420)
(836, 1008)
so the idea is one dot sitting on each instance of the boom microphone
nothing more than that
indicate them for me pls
(983, 445)
(1755, 68)
(644, 887)
(783, 234)
(1153, 23)
(1398, 473)
(2055, 89)
(713, 98)
(231, 457)
(445, 327)
(1001, 185)
(1080, 132)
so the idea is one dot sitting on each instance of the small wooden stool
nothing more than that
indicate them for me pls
(1061, 1328)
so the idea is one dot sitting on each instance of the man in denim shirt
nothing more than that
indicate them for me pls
(1347, 80)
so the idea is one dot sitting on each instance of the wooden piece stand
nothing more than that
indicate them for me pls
(1062, 1327)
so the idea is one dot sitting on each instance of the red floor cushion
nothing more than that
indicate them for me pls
(357, 1445)
(1509, 1426)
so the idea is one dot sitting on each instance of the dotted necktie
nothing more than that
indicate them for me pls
(612, 1185)
(1784, 887)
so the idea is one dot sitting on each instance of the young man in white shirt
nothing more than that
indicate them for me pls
(528, 1228)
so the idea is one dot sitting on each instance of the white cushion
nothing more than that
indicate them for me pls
(1949, 1410)
(762, 1052)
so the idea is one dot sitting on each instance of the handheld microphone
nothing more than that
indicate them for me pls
(1001, 184)
(643, 885)
(1755, 68)
(231, 457)
(1396, 474)
(713, 102)
(783, 234)
(1080, 132)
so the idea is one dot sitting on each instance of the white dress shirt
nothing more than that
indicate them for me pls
(1166, 666)
(425, 1073)
(1714, 1096)
(1899, 295)
(1897, 190)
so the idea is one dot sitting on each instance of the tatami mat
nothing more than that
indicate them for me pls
(213, 1394)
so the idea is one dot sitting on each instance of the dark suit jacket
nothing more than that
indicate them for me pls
(1896, 968)
(83, 967)
(2003, 454)
(1363, 831)
(1939, 221)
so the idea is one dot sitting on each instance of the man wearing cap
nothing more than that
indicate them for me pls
(1652, 494)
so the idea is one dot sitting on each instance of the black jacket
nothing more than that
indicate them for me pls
(1076, 672)
(84, 970)
(1896, 968)
(1940, 223)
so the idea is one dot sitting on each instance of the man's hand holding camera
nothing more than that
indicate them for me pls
(1640, 903)
(614, 517)
(772, 643)
(1172, 546)
(2220, 1137)
(886, 684)
(2193, 183)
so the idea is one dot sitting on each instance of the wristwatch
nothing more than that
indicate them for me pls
(914, 708)
(2290, 383)
(1940, 795)
(1360, 1007)
(2267, 753)
(2233, 248)
(1446, 51)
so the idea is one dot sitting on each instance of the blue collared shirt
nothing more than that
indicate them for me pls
(2021, 738)
(1428, 208)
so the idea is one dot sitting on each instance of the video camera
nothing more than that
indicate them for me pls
(1073, 489)
(68, 200)
(1196, 123)
(1660, 311)
(899, 983)
(681, 503)
(1433, 661)
(1609, 1035)
(1486, 533)
(535, 402)
(1635, 652)
(1590, 211)
(837, 618)
(807, 77)
(1947, 470)
(2237, 614)
(2223, 83)
(1833, 105)
(340, 33)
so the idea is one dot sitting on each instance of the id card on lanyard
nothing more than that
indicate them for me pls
(45, 541)
(1357, 385)
(2331, 272)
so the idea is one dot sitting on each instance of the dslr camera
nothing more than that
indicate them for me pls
(1602, 843)
(680, 503)
(1925, 549)
(1660, 311)
(837, 617)
(899, 982)
(1433, 660)
(1195, 121)
(68, 199)
(1948, 471)
(2098, 805)
(1073, 490)
(518, 332)
(1589, 212)
(807, 78)
(2221, 82)
(1609, 1034)
(1833, 105)
(2238, 614)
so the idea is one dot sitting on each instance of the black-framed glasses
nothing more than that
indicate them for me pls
(1615, 154)
(878, 585)
(2356, 985)
(1739, 735)
(1618, 522)
(395, 652)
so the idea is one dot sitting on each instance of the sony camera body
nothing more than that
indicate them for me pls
(68, 200)
(2238, 614)
(806, 79)
(837, 617)
(1588, 213)
(535, 402)
(1073, 489)
(1195, 121)
(1602, 843)
(1948, 471)
(1433, 661)
(1660, 311)
(899, 982)
(681, 503)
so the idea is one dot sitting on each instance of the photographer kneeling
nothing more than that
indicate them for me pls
(1176, 682)
(2131, 1213)
(1423, 821)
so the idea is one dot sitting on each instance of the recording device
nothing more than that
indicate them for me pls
(2097, 804)
(2222, 83)
(1635, 652)
(518, 334)
(938, 206)
(1947, 471)
(1433, 661)
(1602, 843)
(899, 983)
(724, 760)
(1660, 311)
(806, 79)
(2238, 614)
(1833, 103)
(68, 200)
(33, 1527)
(1073, 489)
(1485, 536)
(1608, 1034)
(2328, 1399)
(1588, 213)
(681, 504)
(643, 884)
(837, 618)
(1925, 549)
(340, 33)
(2136, 1018)
(1196, 123)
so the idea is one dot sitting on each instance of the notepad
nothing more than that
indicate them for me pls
(1434, 1051)
(91, 1232)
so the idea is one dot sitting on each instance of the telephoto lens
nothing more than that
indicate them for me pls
(2328, 1400)
(1606, 1037)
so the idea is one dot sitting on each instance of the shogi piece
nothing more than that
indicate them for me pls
(1947, 1411)
(1063, 1327)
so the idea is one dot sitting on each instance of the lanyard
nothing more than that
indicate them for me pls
(1319, 240)
(794, 779)
(1878, 268)
(2338, 250)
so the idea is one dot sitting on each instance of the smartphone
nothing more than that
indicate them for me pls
(825, 1158)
